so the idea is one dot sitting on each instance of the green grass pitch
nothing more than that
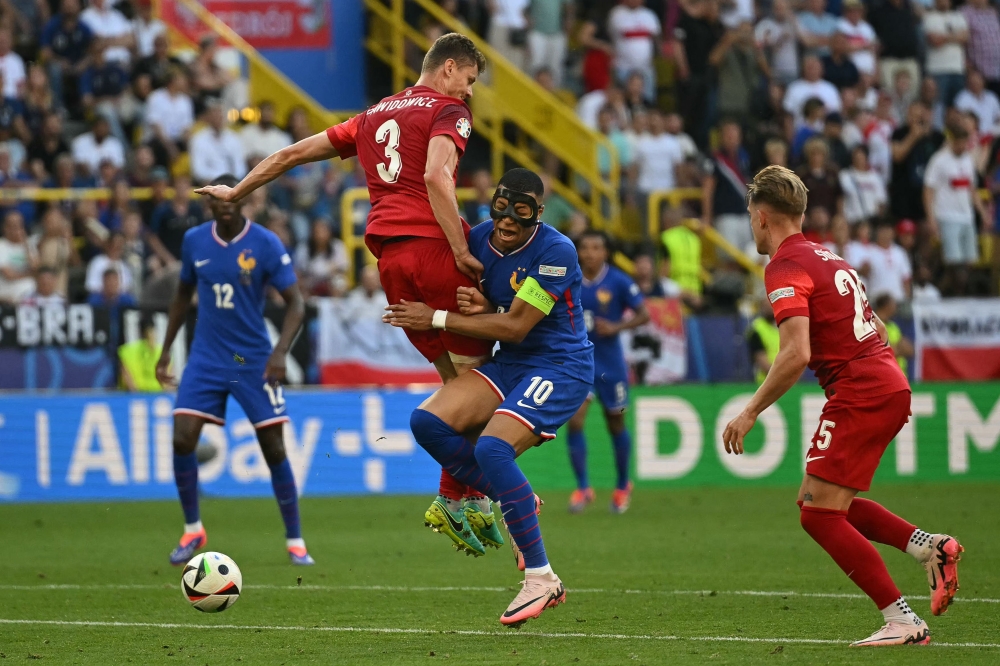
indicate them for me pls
(686, 576)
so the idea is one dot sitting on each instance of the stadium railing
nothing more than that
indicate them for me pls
(507, 96)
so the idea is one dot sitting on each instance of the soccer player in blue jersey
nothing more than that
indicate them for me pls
(230, 262)
(530, 303)
(607, 294)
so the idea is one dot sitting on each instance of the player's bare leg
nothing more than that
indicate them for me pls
(584, 495)
(272, 445)
(824, 514)
(187, 430)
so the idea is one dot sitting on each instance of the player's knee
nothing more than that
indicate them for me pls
(427, 427)
(184, 443)
(616, 423)
(272, 447)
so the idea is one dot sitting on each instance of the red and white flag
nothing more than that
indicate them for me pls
(958, 339)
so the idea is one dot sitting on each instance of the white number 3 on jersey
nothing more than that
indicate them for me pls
(388, 133)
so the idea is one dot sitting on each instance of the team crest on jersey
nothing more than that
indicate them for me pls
(515, 284)
(603, 296)
(247, 264)
(464, 127)
(778, 294)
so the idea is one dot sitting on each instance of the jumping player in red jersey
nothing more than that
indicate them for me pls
(824, 321)
(409, 145)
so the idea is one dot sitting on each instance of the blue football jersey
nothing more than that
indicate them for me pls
(232, 279)
(560, 338)
(608, 296)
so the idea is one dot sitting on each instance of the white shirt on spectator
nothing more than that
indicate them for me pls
(589, 107)
(633, 32)
(510, 14)
(947, 58)
(257, 141)
(146, 34)
(927, 293)
(94, 282)
(173, 113)
(858, 255)
(800, 90)
(88, 152)
(15, 256)
(879, 141)
(952, 178)
(862, 37)
(216, 153)
(109, 24)
(40, 301)
(864, 194)
(738, 11)
(359, 306)
(12, 67)
(986, 107)
(781, 40)
(657, 156)
(890, 272)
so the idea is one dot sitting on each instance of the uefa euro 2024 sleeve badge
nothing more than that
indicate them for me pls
(464, 127)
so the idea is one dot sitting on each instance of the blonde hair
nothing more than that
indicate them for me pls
(780, 189)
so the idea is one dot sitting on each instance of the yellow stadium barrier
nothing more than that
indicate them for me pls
(8, 194)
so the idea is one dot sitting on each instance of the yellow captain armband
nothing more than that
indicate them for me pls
(532, 293)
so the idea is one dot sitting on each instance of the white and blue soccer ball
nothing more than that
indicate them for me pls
(211, 582)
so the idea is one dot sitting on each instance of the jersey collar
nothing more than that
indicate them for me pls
(600, 277)
(526, 243)
(236, 238)
(791, 240)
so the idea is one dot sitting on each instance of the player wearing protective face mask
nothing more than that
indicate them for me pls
(530, 303)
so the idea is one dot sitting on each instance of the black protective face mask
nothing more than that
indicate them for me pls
(514, 198)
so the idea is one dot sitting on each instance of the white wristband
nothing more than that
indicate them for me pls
(439, 319)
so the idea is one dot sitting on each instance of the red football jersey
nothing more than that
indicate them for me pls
(805, 279)
(391, 140)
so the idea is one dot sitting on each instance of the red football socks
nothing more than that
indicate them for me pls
(852, 552)
(878, 524)
(453, 490)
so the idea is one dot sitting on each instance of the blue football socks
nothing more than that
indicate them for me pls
(623, 451)
(578, 458)
(452, 451)
(186, 477)
(283, 483)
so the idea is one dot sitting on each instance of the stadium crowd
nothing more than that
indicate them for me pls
(888, 110)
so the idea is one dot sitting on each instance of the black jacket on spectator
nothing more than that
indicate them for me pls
(906, 191)
(170, 226)
(69, 43)
(896, 28)
(39, 150)
(842, 74)
(157, 70)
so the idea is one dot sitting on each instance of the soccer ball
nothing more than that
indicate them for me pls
(211, 582)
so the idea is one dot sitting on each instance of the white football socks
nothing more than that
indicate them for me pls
(539, 571)
(455, 506)
(192, 528)
(295, 543)
(482, 503)
(899, 611)
(920, 545)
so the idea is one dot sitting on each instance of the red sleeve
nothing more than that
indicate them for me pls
(788, 288)
(344, 137)
(454, 120)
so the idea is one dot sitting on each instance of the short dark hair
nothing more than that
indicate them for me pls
(523, 180)
(594, 233)
(811, 105)
(453, 46)
(227, 179)
(780, 189)
(883, 300)
(109, 272)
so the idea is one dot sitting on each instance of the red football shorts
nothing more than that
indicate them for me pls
(423, 270)
(853, 433)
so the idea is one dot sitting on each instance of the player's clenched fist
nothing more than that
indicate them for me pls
(472, 302)
(414, 316)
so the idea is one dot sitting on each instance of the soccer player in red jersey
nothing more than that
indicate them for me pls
(824, 321)
(409, 145)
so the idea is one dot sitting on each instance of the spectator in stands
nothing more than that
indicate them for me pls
(37, 101)
(171, 220)
(66, 48)
(46, 292)
(885, 307)
(913, 144)
(924, 290)
(508, 32)
(46, 146)
(810, 85)
(901, 96)
(865, 196)
(762, 339)
(723, 198)
(821, 177)
(11, 66)
(673, 123)
(18, 260)
(12, 119)
(113, 213)
(208, 79)
(622, 146)
(322, 261)
(776, 152)
(113, 30)
(558, 211)
(103, 89)
(929, 97)
(697, 34)
(951, 202)
(644, 274)
(590, 105)
(858, 251)
(551, 21)
(838, 66)
(112, 260)
(146, 28)
(169, 117)
(813, 118)
(635, 33)
(816, 227)
(157, 65)
(90, 148)
(110, 294)
(367, 301)
(984, 40)
(683, 250)
(840, 236)
(890, 267)
(861, 40)
(141, 172)
(740, 69)
(777, 37)
(906, 237)
(947, 32)
(833, 133)
(897, 27)
(136, 253)
(816, 27)
(215, 149)
(55, 248)
(597, 50)
(657, 157)
(635, 94)
(977, 99)
(139, 357)
(477, 209)
(264, 137)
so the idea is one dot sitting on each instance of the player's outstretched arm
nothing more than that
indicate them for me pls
(294, 313)
(511, 326)
(793, 356)
(175, 319)
(311, 149)
(439, 177)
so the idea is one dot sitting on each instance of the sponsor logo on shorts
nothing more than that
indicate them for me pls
(552, 271)
(778, 294)
(464, 127)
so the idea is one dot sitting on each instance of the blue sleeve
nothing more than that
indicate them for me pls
(630, 294)
(280, 273)
(49, 31)
(86, 81)
(188, 275)
(556, 269)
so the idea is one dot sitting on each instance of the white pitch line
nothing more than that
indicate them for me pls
(472, 588)
(459, 632)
